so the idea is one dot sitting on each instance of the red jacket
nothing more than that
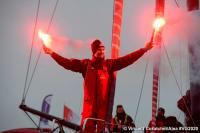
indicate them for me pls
(96, 74)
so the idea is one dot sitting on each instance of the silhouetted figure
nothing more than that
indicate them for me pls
(160, 121)
(173, 125)
(184, 104)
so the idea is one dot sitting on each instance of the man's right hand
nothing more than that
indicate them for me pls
(47, 50)
(148, 46)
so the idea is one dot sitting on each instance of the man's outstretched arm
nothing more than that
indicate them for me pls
(70, 64)
(122, 62)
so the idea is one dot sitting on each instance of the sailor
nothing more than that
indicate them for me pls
(96, 73)
(122, 122)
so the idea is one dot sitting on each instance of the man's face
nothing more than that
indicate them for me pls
(100, 53)
(120, 110)
(160, 113)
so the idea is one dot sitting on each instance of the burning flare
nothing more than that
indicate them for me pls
(46, 38)
(158, 23)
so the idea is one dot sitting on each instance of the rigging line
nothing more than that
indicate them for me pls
(177, 3)
(32, 120)
(80, 103)
(180, 63)
(178, 85)
(51, 20)
(30, 56)
(188, 66)
(54, 129)
(181, 79)
(173, 73)
(142, 87)
(38, 57)
(179, 115)
(158, 100)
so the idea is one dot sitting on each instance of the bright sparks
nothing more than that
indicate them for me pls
(46, 39)
(158, 23)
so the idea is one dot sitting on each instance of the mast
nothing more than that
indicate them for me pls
(157, 37)
(116, 30)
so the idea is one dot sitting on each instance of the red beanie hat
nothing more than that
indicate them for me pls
(96, 44)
